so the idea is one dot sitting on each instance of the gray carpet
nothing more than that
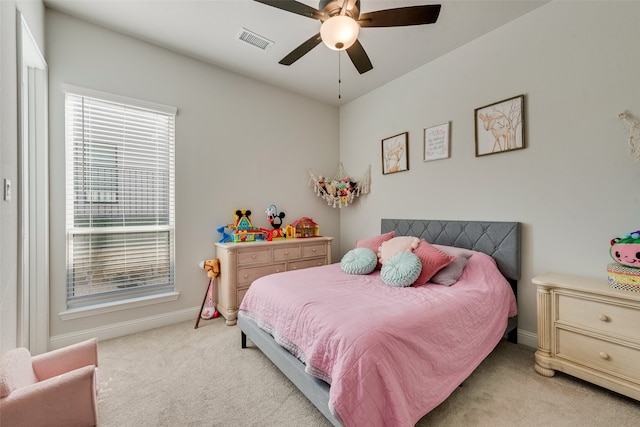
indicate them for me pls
(180, 376)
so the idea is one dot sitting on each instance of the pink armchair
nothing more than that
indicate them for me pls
(57, 388)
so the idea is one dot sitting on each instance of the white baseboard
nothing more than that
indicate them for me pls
(527, 338)
(124, 328)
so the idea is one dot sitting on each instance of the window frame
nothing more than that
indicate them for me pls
(132, 295)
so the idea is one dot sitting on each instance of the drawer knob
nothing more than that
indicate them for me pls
(313, 250)
(253, 256)
(603, 317)
(286, 252)
(277, 270)
(246, 275)
(294, 268)
(604, 355)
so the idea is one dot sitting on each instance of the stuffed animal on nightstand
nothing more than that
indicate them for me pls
(624, 273)
(626, 250)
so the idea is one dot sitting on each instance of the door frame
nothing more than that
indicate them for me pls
(33, 192)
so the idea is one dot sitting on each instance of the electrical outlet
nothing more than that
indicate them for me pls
(7, 190)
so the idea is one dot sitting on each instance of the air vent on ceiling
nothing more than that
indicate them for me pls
(255, 39)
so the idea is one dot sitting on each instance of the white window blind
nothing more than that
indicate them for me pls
(120, 197)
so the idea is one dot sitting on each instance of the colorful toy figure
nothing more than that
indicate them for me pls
(243, 229)
(275, 219)
(225, 236)
(626, 250)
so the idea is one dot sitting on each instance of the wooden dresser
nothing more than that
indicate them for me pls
(589, 330)
(242, 263)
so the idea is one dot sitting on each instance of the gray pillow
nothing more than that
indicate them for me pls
(451, 273)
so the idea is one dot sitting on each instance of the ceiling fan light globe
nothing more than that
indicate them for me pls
(339, 32)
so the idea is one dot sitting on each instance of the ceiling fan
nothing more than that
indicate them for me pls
(341, 22)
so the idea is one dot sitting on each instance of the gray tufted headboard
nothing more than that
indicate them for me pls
(501, 240)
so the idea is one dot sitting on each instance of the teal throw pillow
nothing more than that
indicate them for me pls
(359, 261)
(401, 270)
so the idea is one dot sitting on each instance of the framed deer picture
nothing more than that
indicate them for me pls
(500, 126)
(395, 153)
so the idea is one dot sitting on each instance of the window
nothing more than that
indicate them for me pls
(120, 223)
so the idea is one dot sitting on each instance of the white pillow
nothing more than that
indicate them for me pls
(395, 245)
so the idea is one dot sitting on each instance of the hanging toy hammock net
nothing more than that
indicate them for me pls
(342, 189)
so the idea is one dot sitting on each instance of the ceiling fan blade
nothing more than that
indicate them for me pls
(359, 58)
(294, 7)
(347, 5)
(400, 17)
(301, 50)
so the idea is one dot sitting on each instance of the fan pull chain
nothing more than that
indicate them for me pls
(339, 75)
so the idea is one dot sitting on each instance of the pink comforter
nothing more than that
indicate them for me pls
(390, 354)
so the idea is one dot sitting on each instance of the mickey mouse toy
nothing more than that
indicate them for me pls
(275, 219)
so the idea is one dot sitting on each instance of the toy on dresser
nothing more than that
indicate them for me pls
(275, 219)
(303, 227)
(624, 273)
(243, 229)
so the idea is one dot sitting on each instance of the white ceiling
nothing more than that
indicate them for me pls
(208, 29)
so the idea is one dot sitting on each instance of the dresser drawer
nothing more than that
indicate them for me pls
(248, 275)
(313, 250)
(247, 257)
(608, 318)
(241, 292)
(602, 355)
(243, 263)
(307, 263)
(286, 253)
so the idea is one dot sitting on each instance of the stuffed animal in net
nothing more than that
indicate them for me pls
(626, 250)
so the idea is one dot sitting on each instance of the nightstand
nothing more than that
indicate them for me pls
(589, 330)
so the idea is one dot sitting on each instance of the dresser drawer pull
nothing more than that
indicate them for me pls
(603, 317)
(604, 355)
(286, 252)
(313, 250)
(253, 256)
(246, 276)
(294, 268)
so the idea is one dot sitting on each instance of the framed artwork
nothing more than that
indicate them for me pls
(500, 126)
(395, 153)
(436, 142)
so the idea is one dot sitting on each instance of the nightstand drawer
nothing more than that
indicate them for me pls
(602, 355)
(307, 263)
(585, 312)
(253, 257)
(286, 253)
(314, 250)
(248, 275)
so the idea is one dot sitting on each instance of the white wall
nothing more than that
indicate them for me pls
(240, 144)
(573, 183)
(574, 187)
(33, 13)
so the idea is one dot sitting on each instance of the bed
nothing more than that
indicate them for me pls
(371, 358)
